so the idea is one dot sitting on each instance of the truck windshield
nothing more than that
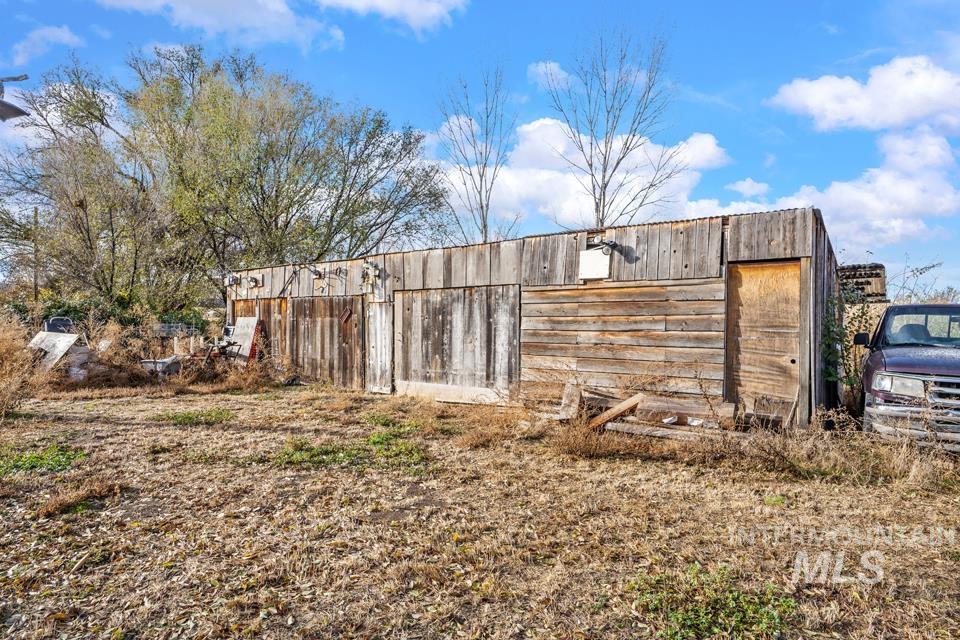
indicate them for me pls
(922, 326)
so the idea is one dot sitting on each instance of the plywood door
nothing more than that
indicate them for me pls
(379, 347)
(763, 337)
(326, 339)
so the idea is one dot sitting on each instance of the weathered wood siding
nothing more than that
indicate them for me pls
(379, 347)
(824, 288)
(244, 308)
(326, 339)
(456, 312)
(660, 251)
(275, 318)
(656, 336)
(464, 337)
(667, 251)
(771, 236)
(552, 259)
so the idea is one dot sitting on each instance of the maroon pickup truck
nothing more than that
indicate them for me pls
(911, 374)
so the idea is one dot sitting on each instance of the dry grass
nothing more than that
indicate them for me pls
(19, 375)
(77, 498)
(485, 426)
(578, 440)
(316, 513)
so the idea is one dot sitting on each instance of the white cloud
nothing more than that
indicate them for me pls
(883, 205)
(537, 180)
(899, 200)
(247, 21)
(40, 40)
(900, 93)
(543, 72)
(749, 188)
(419, 15)
(702, 151)
(769, 160)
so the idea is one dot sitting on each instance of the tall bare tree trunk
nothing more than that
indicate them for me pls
(612, 105)
(475, 137)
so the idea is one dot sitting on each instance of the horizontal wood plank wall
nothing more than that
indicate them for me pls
(771, 236)
(466, 337)
(326, 339)
(667, 251)
(621, 339)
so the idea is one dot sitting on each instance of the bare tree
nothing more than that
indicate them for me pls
(612, 105)
(475, 137)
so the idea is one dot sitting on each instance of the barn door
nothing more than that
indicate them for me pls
(326, 339)
(379, 328)
(763, 338)
(458, 344)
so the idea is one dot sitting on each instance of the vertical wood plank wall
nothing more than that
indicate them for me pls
(465, 337)
(662, 306)
(326, 339)
(379, 347)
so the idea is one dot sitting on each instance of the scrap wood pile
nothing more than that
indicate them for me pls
(644, 413)
(112, 355)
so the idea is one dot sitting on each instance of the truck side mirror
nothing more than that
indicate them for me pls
(861, 339)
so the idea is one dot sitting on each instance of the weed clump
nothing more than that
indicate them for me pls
(704, 604)
(204, 417)
(298, 452)
(55, 457)
(387, 448)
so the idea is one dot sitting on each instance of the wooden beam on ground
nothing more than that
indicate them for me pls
(673, 432)
(617, 410)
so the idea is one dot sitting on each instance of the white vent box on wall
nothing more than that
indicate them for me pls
(594, 264)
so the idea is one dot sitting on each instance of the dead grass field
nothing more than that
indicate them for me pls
(306, 512)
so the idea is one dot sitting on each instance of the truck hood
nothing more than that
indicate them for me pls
(922, 360)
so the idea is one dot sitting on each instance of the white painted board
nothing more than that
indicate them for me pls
(594, 265)
(55, 345)
(243, 332)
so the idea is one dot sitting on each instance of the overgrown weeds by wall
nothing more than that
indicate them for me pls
(20, 376)
(840, 453)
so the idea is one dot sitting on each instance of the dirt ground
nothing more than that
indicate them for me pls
(306, 512)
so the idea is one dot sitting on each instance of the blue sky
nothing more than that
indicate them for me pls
(853, 107)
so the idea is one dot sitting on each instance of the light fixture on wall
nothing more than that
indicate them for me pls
(598, 242)
(370, 275)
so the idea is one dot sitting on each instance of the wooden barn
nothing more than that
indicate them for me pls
(721, 312)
